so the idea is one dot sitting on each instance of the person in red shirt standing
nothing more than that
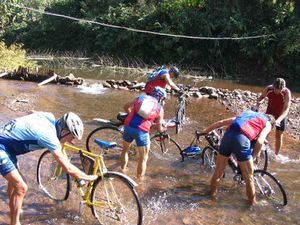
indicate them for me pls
(162, 78)
(279, 101)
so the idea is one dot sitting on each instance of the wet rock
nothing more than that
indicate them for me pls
(106, 84)
(213, 96)
(197, 94)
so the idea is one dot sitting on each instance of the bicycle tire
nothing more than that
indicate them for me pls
(105, 133)
(209, 156)
(180, 116)
(118, 201)
(53, 181)
(268, 187)
(165, 148)
(262, 161)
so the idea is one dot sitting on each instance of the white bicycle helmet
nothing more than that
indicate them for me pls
(159, 93)
(72, 122)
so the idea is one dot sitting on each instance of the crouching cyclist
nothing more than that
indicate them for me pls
(28, 133)
(142, 113)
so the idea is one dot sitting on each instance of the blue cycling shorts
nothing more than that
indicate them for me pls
(8, 162)
(238, 144)
(141, 138)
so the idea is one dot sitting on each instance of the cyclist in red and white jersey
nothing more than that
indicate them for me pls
(279, 101)
(162, 79)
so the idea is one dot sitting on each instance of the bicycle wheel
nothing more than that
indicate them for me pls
(53, 181)
(105, 133)
(268, 187)
(115, 201)
(261, 162)
(180, 116)
(165, 148)
(209, 156)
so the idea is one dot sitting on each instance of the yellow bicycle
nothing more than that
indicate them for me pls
(112, 197)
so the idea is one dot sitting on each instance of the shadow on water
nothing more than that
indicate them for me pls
(173, 192)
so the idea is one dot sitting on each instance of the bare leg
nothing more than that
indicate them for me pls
(16, 191)
(143, 158)
(278, 141)
(247, 172)
(124, 155)
(220, 166)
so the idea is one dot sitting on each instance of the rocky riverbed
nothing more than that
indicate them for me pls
(236, 101)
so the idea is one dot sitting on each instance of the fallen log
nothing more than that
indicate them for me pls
(48, 80)
(3, 74)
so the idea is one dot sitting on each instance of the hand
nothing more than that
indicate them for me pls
(254, 108)
(91, 178)
(277, 123)
(181, 92)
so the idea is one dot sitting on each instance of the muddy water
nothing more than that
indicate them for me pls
(173, 192)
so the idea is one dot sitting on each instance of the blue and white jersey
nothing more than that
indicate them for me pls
(29, 133)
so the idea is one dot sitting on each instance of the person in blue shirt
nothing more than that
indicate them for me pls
(241, 130)
(29, 133)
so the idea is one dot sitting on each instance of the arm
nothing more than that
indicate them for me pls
(260, 140)
(69, 168)
(128, 106)
(218, 124)
(262, 97)
(170, 82)
(159, 121)
(286, 107)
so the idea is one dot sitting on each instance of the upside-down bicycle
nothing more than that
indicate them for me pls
(112, 197)
(162, 145)
(180, 112)
(266, 185)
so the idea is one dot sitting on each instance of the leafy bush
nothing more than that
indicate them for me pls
(12, 57)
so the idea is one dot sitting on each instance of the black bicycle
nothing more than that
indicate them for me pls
(162, 145)
(266, 185)
(180, 111)
(209, 152)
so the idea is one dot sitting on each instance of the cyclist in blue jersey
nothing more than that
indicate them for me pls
(241, 130)
(142, 112)
(28, 133)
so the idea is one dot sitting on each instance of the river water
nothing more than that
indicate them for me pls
(173, 192)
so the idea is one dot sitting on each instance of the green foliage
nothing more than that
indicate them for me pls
(266, 57)
(12, 57)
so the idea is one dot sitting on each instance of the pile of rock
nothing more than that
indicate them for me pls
(236, 101)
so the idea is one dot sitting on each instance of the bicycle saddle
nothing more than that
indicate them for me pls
(105, 144)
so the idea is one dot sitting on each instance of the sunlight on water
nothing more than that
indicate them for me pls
(94, 89)
(283, 159)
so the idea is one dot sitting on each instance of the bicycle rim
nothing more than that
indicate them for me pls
(165, 148)
(115, 201)
(180, 116)
(106, 133)
(267, 187)
(53, 181)
(209, 158)
(261, 161)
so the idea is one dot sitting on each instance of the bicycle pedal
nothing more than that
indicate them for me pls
(81, 207)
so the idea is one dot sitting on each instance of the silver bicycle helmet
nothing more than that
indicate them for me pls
(175, 70)
(159, 93)
(71, 122)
